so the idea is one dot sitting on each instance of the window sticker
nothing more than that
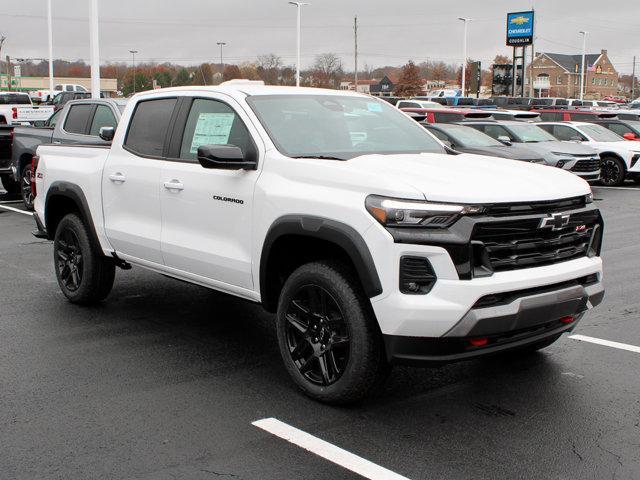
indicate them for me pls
(212, 129)
(374, 107)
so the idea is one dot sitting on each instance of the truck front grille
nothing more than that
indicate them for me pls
(517, 244)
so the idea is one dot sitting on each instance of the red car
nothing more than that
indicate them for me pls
(449, 115)
(558, 115)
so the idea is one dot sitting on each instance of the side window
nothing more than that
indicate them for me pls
(496, 131)
(211, 122)
(58, 88)
(551, 117)
(68, 88)
(53, 119)
(439, 135)
(80, 88)
(619, 128)
(149, 126)
(77, 118)
(102, 118)
(562, 132)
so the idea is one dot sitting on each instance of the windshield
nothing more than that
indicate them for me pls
(469, 137)
(601, 134)
(339, 126)
(528, 133)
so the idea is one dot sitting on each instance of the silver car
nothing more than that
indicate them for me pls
(579, 159)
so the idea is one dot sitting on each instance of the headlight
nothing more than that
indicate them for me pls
(396, 212)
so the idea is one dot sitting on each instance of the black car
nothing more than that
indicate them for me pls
(629, 129)
(469, 140)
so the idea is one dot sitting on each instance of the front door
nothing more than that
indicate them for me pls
(206, 213)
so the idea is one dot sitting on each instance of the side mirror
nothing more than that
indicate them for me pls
(226, 157)
(107, 133)
(629, 136)
(39, 123)
(504, 139)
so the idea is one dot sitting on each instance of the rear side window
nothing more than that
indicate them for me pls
(211, 122)
(149, 126)
(102, 118)
(68, 88)
(14, 99)
(551, 117)
(77, 119)
(441, 117)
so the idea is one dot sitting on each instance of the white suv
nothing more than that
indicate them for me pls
(337, 212)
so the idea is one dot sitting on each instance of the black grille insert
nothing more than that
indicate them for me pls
(591, 165)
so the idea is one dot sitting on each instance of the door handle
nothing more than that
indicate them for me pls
(117, 177)
(173, 185)
(56, 142)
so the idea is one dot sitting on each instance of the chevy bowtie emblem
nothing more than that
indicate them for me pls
(555, 221)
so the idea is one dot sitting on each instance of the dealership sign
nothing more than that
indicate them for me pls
(519, 29)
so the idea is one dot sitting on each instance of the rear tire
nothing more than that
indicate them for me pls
(84, 275)
(328, 336)
(25, 186)
(612, 172)
(10, 185)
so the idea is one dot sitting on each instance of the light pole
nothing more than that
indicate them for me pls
(222, 44)
(582, 72)
(50, 37)
(464, 53)
(133, 61)
(94, 46)
(299, 6)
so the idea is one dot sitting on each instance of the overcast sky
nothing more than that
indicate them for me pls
(390, 31)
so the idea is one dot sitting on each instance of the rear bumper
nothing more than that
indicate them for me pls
(513, 321)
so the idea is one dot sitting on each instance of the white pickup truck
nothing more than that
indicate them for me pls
(337, 212)
(16, 108)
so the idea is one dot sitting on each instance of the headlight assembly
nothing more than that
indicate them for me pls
(395, 212)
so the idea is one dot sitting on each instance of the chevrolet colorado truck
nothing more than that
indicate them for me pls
(338, 213)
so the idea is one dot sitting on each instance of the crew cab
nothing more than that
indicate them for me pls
(619, 156)
(16, 108)
(338, 213)
(579, 159)
(43, 96)
(560, 115)
(79, 121)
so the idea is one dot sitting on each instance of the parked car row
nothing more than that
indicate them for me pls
(593, 144)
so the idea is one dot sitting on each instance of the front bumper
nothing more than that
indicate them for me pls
(589, 176)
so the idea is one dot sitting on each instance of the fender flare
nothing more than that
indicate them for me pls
(616, 155)
(343, 235)
(74, 193)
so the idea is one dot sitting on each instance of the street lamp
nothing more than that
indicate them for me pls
(464, 53)
(222, 44)
(133, 61)
(582, 72)
(299, 6)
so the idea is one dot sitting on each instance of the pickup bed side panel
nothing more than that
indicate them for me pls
(25, 142)
(77, 166)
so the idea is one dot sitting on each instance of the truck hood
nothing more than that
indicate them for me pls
(513, 152)
(468, 178)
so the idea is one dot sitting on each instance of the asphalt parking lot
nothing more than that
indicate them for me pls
(165, 379)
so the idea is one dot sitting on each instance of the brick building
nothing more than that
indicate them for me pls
(558, 75)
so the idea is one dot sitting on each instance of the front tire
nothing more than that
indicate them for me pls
(84, 275)
(612, 172)
(26, 176)
(328, 336)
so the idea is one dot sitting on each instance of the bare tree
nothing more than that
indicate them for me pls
(327, 70)
(268, 68)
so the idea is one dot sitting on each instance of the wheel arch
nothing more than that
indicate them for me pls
(329, 236)
(64, 198)
(609, 153)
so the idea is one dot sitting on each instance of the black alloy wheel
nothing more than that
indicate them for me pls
(70, 260)
(612, 172)
(317, 335)
(25, 186)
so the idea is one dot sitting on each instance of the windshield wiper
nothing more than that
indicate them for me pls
(319, 157)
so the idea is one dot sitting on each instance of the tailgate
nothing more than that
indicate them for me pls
(32, 114)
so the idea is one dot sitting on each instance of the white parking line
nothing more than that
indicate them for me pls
(606, 343)
(619, 188)
(326, 450)
(10, 201)
(17, 210)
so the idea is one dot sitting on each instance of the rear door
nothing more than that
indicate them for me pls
(131, 182)
(206, 213)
